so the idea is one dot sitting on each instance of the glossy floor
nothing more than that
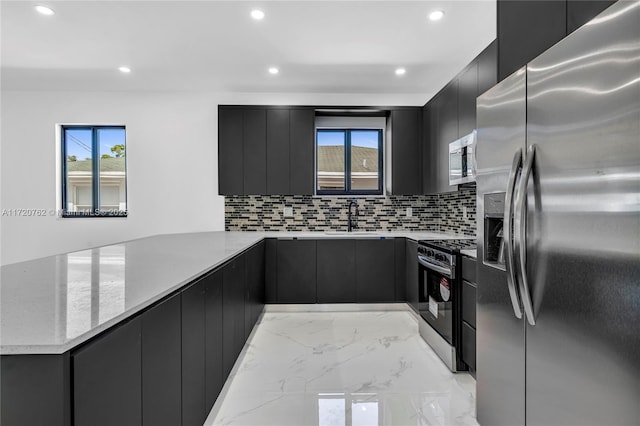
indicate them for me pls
(343, 368)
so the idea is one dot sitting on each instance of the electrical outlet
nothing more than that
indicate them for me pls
(409, 212)
(287, 211)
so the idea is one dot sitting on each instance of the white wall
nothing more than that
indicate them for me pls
(171, 160)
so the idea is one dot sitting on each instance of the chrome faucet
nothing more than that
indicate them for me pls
(352, 220)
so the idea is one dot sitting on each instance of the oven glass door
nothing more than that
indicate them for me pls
(437, 298)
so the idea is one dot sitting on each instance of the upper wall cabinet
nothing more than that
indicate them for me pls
(450, 115)
(406, 136)
(527, 28)
(265, 150)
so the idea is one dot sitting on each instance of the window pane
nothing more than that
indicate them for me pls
(112, 146)
(364, 159)
(331, 160)
(79, 170)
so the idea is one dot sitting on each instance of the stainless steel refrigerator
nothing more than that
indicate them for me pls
(558, 187)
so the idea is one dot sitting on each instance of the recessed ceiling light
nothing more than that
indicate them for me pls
(44, 10)
(257, 14)
(401, 71)
(273, 70)
(436, 15)
(125, 70)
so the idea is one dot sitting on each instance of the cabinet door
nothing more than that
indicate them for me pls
(278, 170)
(254, 293)
(193, 354)
(270, 267)
(469, 345)
(213, 338)
(467, 92)
(254, 129)
(302, 145)
(447, 133)
(39, 390)
(469, 302)
(527, 28)
(401, 270)
(488, 68)
(375, 271)
(230, 151)
(579, 12)
(336, 276)
(162, 364)
(405, 146)
(107, 385)
(430, 146)
(412, 274)
(233, 335)
(296, 269)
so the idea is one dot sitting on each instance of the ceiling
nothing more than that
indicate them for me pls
(319, 46)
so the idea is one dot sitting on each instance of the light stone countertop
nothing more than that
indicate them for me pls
(471, 253)
(53, 304)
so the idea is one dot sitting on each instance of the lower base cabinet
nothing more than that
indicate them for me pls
(162, 364)
(213, 339)
(107, 384)
(193, 354)
(233, 295)
(336, 271)
(296, 271)
(413, 271)
(375, 271)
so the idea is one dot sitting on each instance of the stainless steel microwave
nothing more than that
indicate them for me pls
(462, 161)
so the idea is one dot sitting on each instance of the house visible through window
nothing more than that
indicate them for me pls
(349, 161)
(94, 173)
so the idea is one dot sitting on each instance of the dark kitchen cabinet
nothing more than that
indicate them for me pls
(36, 390)
(213, 338)
(302, 143)
(406, 129)
(107, 385)
(429, 146)
(230, 151)
(447, 132)
(375, 270)
(233, 319)
(336, 272)
(579, 12)
(278, 155)
(193, 354)
(527, 28)
(468, 305)
(412, 282)
(254, 129)
(254, 294)
(467, 93)
(401, 270)
(162, 364)
(296, 271)
(270, 269)
(487, 68)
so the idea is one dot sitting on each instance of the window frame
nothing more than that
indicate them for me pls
(95, 172)
(347, 163)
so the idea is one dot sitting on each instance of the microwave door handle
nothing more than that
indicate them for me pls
(521, 233)
(506, 234)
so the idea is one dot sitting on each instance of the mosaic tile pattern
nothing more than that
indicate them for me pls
(437, 212)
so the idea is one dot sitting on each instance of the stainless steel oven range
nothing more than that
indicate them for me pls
(440, 305)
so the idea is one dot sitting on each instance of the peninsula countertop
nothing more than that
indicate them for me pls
(53, 304)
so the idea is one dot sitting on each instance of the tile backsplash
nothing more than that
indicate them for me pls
(437, 212)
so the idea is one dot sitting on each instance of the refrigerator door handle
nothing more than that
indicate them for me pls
(521, 233)
(507, 237)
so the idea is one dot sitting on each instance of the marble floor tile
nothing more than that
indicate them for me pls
(342, 368)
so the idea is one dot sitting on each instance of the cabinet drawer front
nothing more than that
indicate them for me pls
(469, 345)
(469, 303)
(469, 269)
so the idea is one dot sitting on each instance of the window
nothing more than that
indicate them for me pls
(94, 172)
(349, 161)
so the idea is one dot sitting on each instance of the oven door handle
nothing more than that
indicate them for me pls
(444, 271)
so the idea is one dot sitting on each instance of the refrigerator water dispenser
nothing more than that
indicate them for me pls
(493, 230)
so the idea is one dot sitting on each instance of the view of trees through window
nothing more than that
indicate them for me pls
(94, 181)
(349, 161)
